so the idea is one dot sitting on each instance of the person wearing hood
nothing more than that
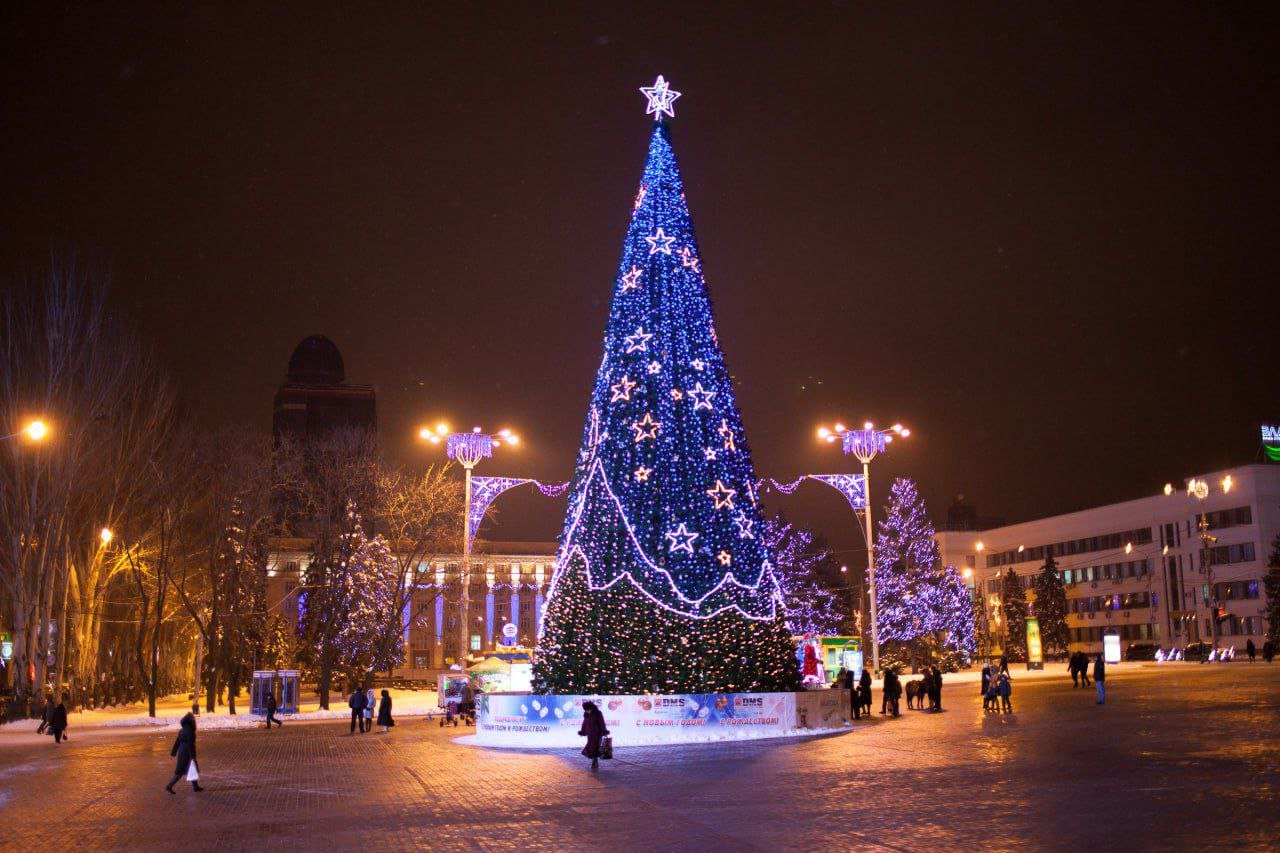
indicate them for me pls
(185, 750)
(594, 730)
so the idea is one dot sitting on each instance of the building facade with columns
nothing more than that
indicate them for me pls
(1161, 569)
(509, 583)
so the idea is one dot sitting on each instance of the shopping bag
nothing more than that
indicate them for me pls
(193, 772)
(606, 747)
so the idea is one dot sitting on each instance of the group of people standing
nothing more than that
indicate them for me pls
(859, 688)
(997, 687)
(362, 703)
(929, 687)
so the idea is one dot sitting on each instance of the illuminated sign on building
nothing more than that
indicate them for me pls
(1271, 442)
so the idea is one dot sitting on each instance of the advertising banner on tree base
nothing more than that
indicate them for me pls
(528, 720)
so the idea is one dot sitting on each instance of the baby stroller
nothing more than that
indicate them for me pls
(450, 714)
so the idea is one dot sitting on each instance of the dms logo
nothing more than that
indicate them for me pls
(1270, 434)
(750, 702)
(670, 702)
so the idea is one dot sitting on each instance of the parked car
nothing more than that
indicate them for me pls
(1197, 651)
(1140, 651)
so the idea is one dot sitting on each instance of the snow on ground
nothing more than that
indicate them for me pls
(170, 709)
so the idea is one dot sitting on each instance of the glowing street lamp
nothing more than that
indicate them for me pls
(105, 536)
(32, 431)
(866, 444)
(467, 449)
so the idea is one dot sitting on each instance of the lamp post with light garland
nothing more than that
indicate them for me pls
(866, 444)
(467, 449)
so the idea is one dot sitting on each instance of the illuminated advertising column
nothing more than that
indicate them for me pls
(1035, 651)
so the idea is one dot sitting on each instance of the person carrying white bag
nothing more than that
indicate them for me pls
(185, 749)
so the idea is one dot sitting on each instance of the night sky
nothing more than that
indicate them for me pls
(1044, 239)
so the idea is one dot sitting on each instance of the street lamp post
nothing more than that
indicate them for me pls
(866, 444)
(467, 449)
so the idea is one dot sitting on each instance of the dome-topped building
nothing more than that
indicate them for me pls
(316, 361)
(315, 397)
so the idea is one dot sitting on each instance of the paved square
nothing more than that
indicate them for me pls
(1181, 757)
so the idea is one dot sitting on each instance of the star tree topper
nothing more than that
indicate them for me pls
(661, 98)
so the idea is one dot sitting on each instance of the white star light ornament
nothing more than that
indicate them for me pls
(744, 526)
(701, 397)
(722, 495)
(688, 260)
(639, 342)
(631, 280)
(654, 368)
(661, 98)
(646, 427)
(622, 391)
(681, 539)
(659, 242)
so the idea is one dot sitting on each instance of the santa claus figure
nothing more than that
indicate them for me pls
(811, 669)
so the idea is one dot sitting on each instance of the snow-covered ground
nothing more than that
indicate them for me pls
(170, 709)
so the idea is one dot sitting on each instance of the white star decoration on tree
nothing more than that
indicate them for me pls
(640, 194)
(688, 260)
(724, 557)
(727, 435)
(631, 280)
(659, 242)
(744, 526)
(622, 391)
(654, 368)
(646, 427)
(709, 452)
(661, 98)
(701, 397)
(722, 495)
(642, 474)
(681, 539)
(698, 365)
(639, 342)
(675, 394)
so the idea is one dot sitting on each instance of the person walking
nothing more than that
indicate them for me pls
(1073, 666)
(370, 705)
(384, 712)
(986, 687)
(1004, 688)
(184, 747)
(1099, 675)
(937, 689)
(271, 710)
(356, 703)
(1250, 649)
(594, 730)
(1084, 669)
(1268, 651)
(1004, 663)
(58, 720)
(45, 713)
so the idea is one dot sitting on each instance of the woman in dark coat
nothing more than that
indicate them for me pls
(58, 720)
(384, 712)
(594, 730)
(185, 748)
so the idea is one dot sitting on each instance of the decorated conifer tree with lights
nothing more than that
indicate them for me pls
(663, 582)
(810, 605)
(1050, 606)
(925, 610)
(1014, 602)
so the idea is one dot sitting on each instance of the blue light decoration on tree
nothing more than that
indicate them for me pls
(661, 583)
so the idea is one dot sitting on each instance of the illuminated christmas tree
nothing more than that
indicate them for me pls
(663, 580)
(925, 609)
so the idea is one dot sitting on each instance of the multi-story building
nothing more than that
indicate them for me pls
(508, 585)
(1167, 569)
